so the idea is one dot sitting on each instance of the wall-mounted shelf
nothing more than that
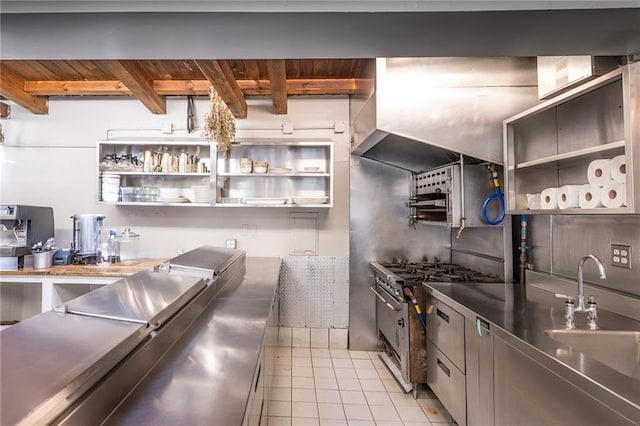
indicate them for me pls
(553, 143)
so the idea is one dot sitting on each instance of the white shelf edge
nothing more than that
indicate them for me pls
(157, 141)
(274, 174)
(572, 154)
(123, 173)
(601, 210)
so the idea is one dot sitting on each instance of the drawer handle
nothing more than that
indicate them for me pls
(443, 367)
(442, 315)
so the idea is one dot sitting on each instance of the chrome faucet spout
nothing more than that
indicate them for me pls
(581, 306)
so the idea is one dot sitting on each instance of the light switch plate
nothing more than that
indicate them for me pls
(621, 255)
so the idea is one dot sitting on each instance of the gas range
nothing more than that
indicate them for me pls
(393, 276)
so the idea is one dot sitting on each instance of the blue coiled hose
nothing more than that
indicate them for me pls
(497, 194)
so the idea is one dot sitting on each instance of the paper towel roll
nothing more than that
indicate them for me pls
(569, 196)
(549, 199)
(618, 169)
(599, 172)
(590, 197)
(613, 194)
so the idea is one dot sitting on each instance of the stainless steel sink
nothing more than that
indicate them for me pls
(619, 350)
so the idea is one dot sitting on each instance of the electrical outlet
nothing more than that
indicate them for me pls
(231, 243)
(621, 256)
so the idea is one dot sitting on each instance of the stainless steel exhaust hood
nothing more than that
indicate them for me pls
(421, 113)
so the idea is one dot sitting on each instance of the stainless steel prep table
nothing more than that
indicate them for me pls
(520, 319)
(207, 376)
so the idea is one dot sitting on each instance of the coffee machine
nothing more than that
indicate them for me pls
(87, 236)
(21, 227)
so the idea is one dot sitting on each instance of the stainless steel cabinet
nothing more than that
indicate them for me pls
(191, 172)
(479, 362)
(526, 393)
(283, 174)
(445, 357)
(154, 171)
(552, 144)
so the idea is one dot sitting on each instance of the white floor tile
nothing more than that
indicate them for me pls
(357, 412)
(338, 338)
(302, 383)
(284, 336)
(281, 382)
(300, 421)
(412, 414)
(367, 373)
(280, 408)
(362, 363)
(426, 424)
(361, 423)
(301, 337)
(320, 353)
(331, 411)
(384, 373)
(342, 363)
(359, 354)
(282, 360)
(374, 355)
(339, 353)
(298, 371)
(283, 351)
(329, 396)
(280, 394)
(323, 372)
(304, 409)
(346, 373)
(382, 413)
(348, 384)
(279, 421)
(301, 352)
(392, 386)
(303, 395)
(301, 362)
(372, 385)
(319, 337)
(321, 362)
(282, 370)
(353, 397)
(378, 398)
(403, 400)
(333, 422)
(328, 383)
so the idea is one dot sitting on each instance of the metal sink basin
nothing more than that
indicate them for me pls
(619, 350)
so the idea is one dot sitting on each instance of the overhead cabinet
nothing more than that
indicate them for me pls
(552, 145)
(192, 172)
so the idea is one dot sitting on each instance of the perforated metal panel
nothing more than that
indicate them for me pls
(314, 292)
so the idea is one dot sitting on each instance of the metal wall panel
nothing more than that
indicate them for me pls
(571, 241)
(314, 292)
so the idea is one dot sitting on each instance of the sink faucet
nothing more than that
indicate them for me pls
(581, 306)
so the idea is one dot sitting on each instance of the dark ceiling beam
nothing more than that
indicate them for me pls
(12, 88)
(133, 75)
(220, 75)
(278, 80)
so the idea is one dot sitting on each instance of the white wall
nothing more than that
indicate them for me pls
(51, 160)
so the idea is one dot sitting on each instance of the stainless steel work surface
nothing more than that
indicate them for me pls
(48, 361)
(206, 377)
(145, 297)
(520, 317)
(205, 258)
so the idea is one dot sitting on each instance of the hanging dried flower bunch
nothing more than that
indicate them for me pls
(219, 123)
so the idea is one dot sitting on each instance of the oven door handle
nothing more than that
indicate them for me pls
(382, 299)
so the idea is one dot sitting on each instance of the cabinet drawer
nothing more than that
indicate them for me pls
(448, 383)
(445, 329)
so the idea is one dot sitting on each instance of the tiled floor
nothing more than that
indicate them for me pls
(337, 387)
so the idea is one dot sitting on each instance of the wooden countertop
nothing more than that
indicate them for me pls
(114, 270)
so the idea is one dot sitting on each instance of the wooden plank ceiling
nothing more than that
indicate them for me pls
(28, 83)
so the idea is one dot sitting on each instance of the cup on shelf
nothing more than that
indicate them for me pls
(246, 165)
(260, 167)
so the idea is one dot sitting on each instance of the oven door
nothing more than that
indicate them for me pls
(390, 319)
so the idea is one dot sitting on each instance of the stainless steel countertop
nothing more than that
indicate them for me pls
(40, 376)
(520, 319)
(206, 377)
